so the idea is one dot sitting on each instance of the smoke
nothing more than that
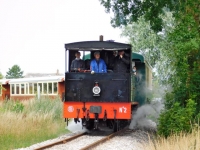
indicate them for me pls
(76, 127)
(146, 116)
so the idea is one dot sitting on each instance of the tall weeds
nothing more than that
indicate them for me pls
(27, 122)
(189, 141)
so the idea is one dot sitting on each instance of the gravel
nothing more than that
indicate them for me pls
(133, 140)
(77, 143)
(130, 140)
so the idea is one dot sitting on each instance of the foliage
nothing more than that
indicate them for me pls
(14, 72)
(17, 107)
(143, 39)
(186, 52)
(184, 64)
(175, 54)
(128, 11)
(150, 44)
(1, 75)
(176, 119)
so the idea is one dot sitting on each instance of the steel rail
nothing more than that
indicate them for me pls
(103, 140)
(61, 141)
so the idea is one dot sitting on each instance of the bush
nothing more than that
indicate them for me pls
(177, 119)
(18, 107)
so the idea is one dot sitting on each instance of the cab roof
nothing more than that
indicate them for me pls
(97, 45)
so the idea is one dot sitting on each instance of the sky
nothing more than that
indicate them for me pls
(33, 32)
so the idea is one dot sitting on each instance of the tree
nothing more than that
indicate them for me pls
(181, 49)
(128, 11)
(145, 41)
(14, 72)
(153, 46)
(1, 75)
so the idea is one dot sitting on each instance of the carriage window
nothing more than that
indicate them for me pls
(45, 88)
(55, 88)
(40, 84)
(50, 88)
(13, 88)
(31, 88)
(27, 90)
(22, 89)
(17, 89)
(35, 88)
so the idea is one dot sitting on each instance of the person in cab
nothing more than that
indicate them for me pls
(77, 64)
(121, 62)
(98, 65)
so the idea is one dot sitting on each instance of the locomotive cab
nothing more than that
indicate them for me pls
(98, 98)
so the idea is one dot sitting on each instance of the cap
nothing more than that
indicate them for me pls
(95, 53)
(120, 50)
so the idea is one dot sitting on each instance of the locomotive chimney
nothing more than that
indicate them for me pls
(101, 38)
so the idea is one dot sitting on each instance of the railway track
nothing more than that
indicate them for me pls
(63, 141)
(102, 140)
(89, 146)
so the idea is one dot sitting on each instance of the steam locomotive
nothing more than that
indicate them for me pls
(104, 99)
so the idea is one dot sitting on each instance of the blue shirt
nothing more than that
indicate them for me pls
(98, 67)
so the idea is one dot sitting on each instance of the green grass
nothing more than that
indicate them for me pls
(28, 122)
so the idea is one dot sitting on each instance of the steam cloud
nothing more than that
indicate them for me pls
(73, 127)
(146, 116)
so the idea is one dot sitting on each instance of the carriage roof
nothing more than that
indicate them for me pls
(138, 56)
(33, 80)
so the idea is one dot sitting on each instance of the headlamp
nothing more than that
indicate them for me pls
(96, 89)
